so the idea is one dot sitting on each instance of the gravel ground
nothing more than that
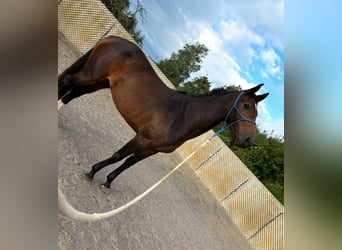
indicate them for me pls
(179, 214)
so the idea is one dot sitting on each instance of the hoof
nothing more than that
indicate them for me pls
(104, 189)
(88, 177)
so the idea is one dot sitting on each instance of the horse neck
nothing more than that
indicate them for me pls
(207, 112)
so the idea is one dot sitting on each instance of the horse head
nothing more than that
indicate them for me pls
(242, 117)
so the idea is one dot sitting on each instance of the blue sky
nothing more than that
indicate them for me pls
(244, 38)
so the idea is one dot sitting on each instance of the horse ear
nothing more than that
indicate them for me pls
(259, 98)
(254, 89)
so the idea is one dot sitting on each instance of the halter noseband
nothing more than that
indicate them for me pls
(243, 118)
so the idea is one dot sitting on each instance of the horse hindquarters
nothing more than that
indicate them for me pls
(63, 85)
(77, 80)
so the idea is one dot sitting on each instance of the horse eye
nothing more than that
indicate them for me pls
(246, 106)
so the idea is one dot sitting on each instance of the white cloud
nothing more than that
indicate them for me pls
(264, 74)
(263, 111)
(221, 67)
(273, 127)
(265, 15)
(266, 123)
(239, 37)
(272, 62)
(237, 32)
(211, 40)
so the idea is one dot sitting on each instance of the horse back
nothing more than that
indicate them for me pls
(137, 91)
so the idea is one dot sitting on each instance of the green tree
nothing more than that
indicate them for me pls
(233, 87)
(128, 18)
(197, 86)
(180, 65)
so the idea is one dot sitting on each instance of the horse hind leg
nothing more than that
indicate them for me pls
(82, 89)
(83, 77)
(68, 81)
(83, 82)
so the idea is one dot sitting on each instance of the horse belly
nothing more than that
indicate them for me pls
(132, 110)
(146, 104)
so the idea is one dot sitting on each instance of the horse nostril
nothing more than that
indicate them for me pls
(244, 142)
(249, 141)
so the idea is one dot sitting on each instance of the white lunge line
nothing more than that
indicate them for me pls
(66, 210)
(60, 104)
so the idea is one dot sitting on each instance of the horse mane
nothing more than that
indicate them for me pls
(214, 92)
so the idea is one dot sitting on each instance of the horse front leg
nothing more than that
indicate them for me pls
(138, 156)
(125, 151)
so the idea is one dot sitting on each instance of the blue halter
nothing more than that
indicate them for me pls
(243, 118)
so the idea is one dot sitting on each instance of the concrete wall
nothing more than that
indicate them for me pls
(255, 211)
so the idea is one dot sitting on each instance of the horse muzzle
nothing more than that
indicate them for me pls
(244, 142)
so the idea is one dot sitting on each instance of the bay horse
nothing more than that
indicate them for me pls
(162, 118)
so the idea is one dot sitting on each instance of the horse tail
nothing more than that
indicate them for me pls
(74, 68)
